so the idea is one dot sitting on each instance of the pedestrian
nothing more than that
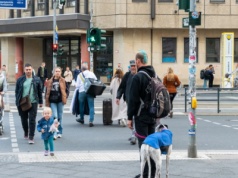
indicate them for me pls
(3, 89)
(140, 91)
(56, 98)
(171, 82)
(119, 110)
(123, 90)
(83, 96)
(209, 75)
(68, 77)
(4, 71)
(76, 73)
(42, 74)
(43, 126)
(30, 85)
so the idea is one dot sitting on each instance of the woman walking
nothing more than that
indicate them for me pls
(119, 111)
(68, 76)
(56, 97)
(171, 82)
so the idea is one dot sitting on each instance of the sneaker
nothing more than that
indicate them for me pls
(55, 137)
(46, 153)
(137, 176)
(133, 140)
(59, 135)
(80, 121)
(31, 141)
(91, 124)
(52, 154)
(123, 122)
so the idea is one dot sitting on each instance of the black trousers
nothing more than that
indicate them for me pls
(144, 126)
(172, 96)
(28, 120)
(210, 81)
(42, 83)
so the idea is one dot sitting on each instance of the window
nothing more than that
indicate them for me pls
(217, 1)
(139, 0)
(236, 50)
(70, 3)
(57, 4)
(165, 1)
(40, 4)
(213, 50)
(186, 50)
(28, 6)
(169, 49)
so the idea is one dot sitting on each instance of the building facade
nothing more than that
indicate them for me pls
(152, 25)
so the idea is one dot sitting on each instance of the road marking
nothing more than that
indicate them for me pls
(226, 126)
(217, 123)
(15, 147)
(98, 156)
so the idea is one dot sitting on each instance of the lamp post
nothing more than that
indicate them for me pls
(55, 35)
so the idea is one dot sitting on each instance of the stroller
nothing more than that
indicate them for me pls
(1, 114)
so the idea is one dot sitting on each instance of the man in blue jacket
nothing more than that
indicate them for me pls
(25, 84)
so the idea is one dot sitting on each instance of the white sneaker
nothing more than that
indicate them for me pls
(123, 122)
(59, 136)
(55, 137)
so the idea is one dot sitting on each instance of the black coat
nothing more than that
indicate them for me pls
(139, 90)
(75, 109)
(122, 88)
(39, 72)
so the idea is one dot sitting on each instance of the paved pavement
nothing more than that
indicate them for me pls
(103, 152)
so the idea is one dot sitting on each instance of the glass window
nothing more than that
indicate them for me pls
(186, 50)
(212, 50)
(70, 3)
(236, 50)
(169, 49)
(139, 0)
(165, 1)
(217, 1)
(40, 4)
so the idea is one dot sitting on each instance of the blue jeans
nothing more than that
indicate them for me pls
(49, 142)
(205, 83)
(57, 112)
(83, 97)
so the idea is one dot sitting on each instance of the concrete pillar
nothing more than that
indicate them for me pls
(85, 57)
(19, 57)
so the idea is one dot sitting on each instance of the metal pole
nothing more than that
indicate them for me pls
(54, 36)
(91, 26)
(192, 148)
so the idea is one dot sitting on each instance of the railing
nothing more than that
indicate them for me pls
(218, 92)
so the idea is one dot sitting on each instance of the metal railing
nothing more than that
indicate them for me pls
(218, 94)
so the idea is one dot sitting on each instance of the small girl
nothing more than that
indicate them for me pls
(43, 126)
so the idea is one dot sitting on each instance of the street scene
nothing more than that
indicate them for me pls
(104, 151)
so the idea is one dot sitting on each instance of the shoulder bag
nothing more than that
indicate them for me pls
(25, 102)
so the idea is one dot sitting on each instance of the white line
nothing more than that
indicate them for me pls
(207, 121)
(13, 134)
(226, 126)
(216, 123)
(235, 128)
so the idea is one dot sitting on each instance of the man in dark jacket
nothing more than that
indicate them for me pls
(76, 73)
(209, 75)
(42, 74)
(140, 90)
(30, 85)
(124, 90)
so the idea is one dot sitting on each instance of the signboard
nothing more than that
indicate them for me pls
(185, 22)
(13, 4)
(227, 57)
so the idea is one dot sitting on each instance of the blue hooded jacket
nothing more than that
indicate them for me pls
(159, 139)
(45, 124)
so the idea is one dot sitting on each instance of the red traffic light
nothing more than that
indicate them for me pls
(55, 47)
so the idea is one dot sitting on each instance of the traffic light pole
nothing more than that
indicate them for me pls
(54, 34)
(192, 149)
(91, 26)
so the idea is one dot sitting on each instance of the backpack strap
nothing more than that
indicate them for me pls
(82, 77)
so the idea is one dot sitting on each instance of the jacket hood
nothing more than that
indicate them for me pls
(148, 69)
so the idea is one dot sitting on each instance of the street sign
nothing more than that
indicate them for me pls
(13, 4)
(186, 22)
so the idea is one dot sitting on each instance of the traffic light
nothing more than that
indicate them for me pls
(60, 50)
(195, 18)
(55, 47)
(92, 36)
(62, 2)
(184, 4)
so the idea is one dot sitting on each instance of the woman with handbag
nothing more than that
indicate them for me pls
(171, 82)
(56, 97)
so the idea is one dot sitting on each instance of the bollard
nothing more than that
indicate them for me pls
(192, 147)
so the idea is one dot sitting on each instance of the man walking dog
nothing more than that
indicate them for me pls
(30, 85)
(144, 124)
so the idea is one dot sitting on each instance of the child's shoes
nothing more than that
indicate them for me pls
(46, 153)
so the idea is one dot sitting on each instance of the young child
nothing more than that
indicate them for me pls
(43, 126)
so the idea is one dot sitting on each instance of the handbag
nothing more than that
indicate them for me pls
(92, 86)
(25, 102)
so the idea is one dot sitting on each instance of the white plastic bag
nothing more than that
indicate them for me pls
(73, 83)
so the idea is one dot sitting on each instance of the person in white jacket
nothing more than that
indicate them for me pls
(83, 96)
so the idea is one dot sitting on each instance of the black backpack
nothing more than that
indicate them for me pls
(159, 105)
(202, 74)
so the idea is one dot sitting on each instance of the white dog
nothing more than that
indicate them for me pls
(54, 126)
(153, 147)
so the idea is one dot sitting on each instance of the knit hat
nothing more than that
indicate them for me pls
(132, 62)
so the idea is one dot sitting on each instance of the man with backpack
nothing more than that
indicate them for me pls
(144, 123)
